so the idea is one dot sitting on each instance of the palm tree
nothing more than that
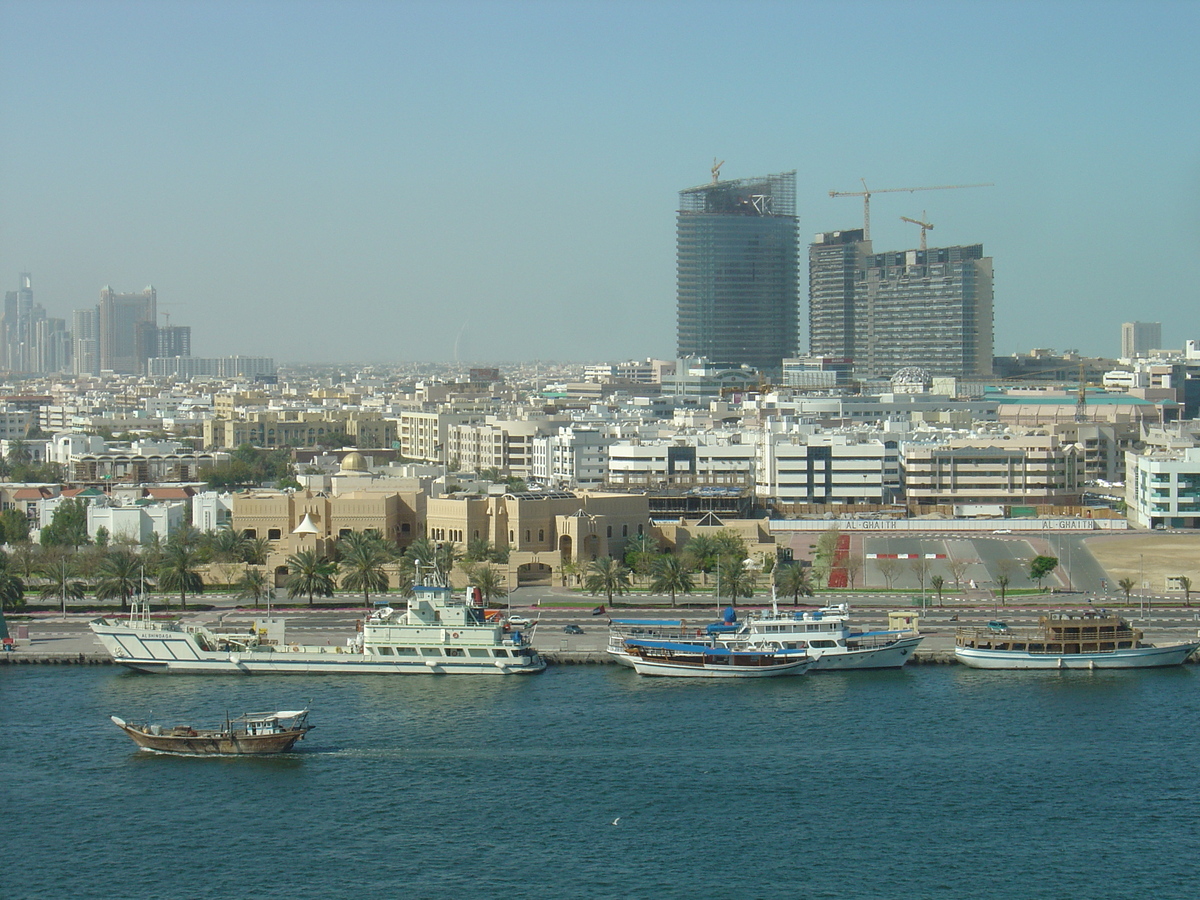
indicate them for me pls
(363, 555)
(311, 575)
(489, 581)
(640, 553)
(703, 553)
(254, 584)
(1127, 585)
(120, 575)
(794, 579)
(58, 584)
(178, 569)
(12, 591)
(1186, 584)
(256, 551)
(440, 557)
(737, 579)
(670, 575)
(607, 576)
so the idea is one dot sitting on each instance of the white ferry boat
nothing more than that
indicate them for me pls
(437, 634)
(824, 635)
(1061, 641)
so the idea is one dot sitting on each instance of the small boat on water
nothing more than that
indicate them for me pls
(712, 660)
(251, 734)
(1092, 640)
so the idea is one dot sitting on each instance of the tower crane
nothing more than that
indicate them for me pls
(716, 170)
(866, 193)
(925, 226)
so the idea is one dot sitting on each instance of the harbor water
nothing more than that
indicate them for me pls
(593, 782)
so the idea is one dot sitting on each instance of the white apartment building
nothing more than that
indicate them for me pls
(574, 458)
(15, 423)
(212, 511)
(503, 444)
(136, 522)
(826, 469)
(685, 461)
(1162, 488)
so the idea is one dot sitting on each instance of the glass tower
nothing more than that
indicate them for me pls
(736, 299)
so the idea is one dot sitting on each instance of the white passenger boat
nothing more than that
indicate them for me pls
(826, 635)
(1060, 641)
(714, 660)
(437, 634)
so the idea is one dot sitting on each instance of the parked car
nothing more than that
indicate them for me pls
(518, 620)
(572, 629)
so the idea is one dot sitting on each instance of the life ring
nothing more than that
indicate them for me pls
(454, 635)
(295, 648)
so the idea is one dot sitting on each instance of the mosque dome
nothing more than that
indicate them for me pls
(354, 462)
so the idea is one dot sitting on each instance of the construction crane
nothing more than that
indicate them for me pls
(925, 226)
(716, 170)
(866, 193)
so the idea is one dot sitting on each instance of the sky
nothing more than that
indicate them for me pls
(497, 181)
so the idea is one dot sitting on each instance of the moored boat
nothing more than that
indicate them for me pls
(712, 660)
(438, 633)
(1063, 641)
(251, 734)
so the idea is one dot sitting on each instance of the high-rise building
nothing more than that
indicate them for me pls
(1139, 338)
(85, 336)
(886, 311)
(737, 270)
(174, 340)
(127, 333)
(17, 327)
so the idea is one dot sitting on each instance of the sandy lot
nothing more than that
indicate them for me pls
(1155, 555)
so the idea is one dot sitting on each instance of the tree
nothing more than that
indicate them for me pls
(853, 564)
(120, 575)
(1041, 566)
(254, 584)
(937, 581)
(671, 576)
(1002, 581)
(794, 579)
(362, 557)
(12, 591)
(640, 554)
(889, 569)
(311, 575)
(58, 582)
(607, 576)
(14, 527)
(68, 525)
(256, 551)
(920, 569)
(737, 579)
(1186, 584)
(958, 569)
(1127, 585)
(702, 553)
(178, 570)
(489, 581)
(436, 557)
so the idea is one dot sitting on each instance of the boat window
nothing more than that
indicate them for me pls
(406, 651)
(503, 654)
(385, 651)
(1036, 648)
(475, 651)
(821, 644)
(1017, 646)
(454, 651)
(431, 651)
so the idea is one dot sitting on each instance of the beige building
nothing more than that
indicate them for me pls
(1003, 469)
(295, 428)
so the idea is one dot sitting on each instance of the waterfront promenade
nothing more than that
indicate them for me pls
(44, 637)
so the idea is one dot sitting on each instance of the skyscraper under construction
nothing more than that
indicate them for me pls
(886, 311)
(737, 259)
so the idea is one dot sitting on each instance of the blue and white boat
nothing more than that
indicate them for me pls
(681, 659)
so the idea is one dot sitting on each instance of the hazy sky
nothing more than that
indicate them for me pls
(360, 181)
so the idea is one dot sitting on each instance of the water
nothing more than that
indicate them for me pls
(928, 782)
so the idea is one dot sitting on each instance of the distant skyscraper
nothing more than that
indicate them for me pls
(1139, 338)
(930, 308)
(174, 340)
(737, 264)
(85, 336)
(128, 325)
